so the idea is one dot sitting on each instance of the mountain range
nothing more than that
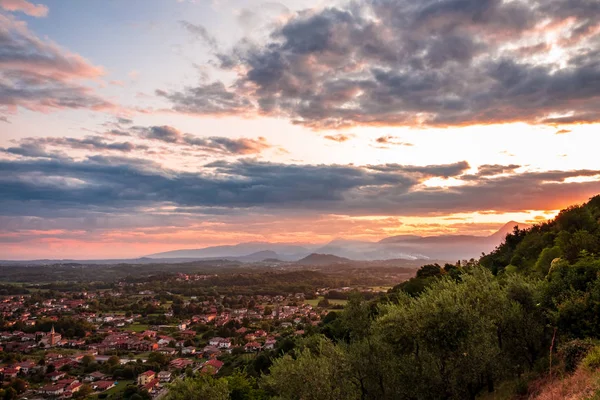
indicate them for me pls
(408, 247)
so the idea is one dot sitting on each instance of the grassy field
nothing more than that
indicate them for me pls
(135, 327)
(381, 288)
(119, 387)
(314, 302)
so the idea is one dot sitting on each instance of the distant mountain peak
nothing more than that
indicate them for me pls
(508, 228)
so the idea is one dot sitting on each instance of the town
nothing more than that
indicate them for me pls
(132, 341)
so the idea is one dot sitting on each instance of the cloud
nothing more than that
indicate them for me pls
(38, 75)
(241, 146)
(340, 138)
(392, 140)
(200, 32)
(37, 147)
(34, 10)
(563, 131)
(30, 149)
(491, 170)
(164, 133)
(122, 185)
(210, 144)
(432, 63)
(209, 99)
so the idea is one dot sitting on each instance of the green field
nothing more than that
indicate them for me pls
(314, 302)
(381, 288)
(135, 327)
(119, 387)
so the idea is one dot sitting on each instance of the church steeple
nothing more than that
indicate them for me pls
(52, 331)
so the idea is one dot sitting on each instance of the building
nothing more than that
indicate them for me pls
(103, 385)
(145, 378)
(164, 376)
(52, 339)
(212, 366)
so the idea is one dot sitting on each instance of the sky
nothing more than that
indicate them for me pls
(134, 127)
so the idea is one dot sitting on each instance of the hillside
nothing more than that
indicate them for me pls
(322, 259)
(522, 322)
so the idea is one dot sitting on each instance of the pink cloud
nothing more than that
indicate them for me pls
(34, 10)
(39, 75)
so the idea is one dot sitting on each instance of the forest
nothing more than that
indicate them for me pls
(522, 316)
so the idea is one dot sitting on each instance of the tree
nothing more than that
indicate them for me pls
(318, 374)
(84, 391)
(201, 388)
(19, 385)
(429, 270)
(87, 360)
(446, 340)
(113, 361)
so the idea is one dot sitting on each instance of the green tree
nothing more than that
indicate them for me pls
(318, 374)
(201, 388)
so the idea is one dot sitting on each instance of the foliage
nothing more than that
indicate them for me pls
(592, 359)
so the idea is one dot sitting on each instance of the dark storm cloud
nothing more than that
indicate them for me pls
(114, 185)
(400, 62)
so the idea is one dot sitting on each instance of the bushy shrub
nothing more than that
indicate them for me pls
(592, 359)
(573, 352)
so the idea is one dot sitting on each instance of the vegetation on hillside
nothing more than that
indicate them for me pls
(528, 310)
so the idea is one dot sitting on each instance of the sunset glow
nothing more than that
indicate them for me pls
(137, 127)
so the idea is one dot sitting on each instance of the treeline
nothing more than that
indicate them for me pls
(456, 331)
(254, 282)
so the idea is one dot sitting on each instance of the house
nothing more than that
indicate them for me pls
(27, 366)
(145, 377)
(212, 366)
(222, 343)
(94, 376)
(151, 386)
(188, 350)
(270, 344)
(11, 372)
(56, 375)
(188, 334)
(252, 347)
(101, 386)
(52, 390)
(167, 350)
(164, 376)
(165, 340)
(180, 363)
(211, 351)
(75, 386)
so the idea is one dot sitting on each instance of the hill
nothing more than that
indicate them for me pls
(522, 322)
(322, 259)
(407, 247)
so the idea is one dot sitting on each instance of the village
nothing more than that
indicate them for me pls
(69, 346)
